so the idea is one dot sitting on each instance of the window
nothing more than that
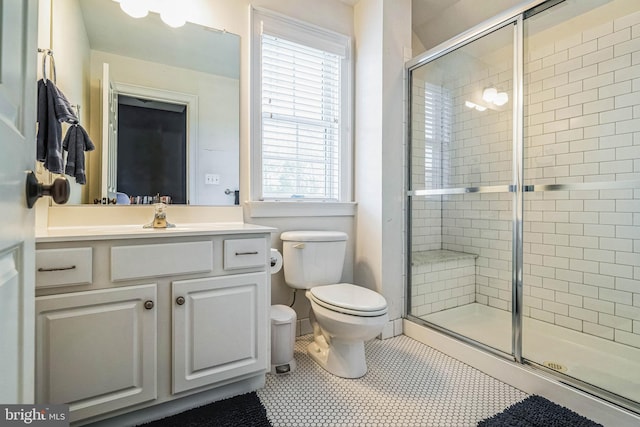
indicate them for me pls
(301, 128)
(437, 130)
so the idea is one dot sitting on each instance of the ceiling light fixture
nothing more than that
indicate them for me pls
(172, 14)
(135, 8)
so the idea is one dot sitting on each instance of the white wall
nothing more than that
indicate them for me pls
(383, 40)
(457, 18)
(70, 45)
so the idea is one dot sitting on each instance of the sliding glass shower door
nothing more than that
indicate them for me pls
(582, 205)
(461, 176)
(524, 192)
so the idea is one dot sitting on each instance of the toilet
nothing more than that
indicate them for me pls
(343, 315)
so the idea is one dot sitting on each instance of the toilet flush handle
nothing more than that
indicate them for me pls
(299, 246)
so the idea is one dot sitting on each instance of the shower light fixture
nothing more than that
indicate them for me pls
(492, 96)
(476, 106)
(501, 99)
(489, 94)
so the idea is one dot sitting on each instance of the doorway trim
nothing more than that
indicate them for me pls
(191, 101)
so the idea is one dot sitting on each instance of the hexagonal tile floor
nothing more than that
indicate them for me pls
(407, 384)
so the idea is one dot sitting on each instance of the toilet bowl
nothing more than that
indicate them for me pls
(343, 315)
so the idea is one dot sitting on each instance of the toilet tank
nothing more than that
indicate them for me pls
(313, 258)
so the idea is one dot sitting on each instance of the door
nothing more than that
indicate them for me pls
(219, 329)
(461, 198)
(581, 311)
(18, 29)
(109, 135)
(97, 349)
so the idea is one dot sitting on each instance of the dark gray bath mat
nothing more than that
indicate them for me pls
(240, 411)
(536, 411)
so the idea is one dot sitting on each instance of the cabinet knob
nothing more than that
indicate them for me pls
(148, 305)
(180, 300)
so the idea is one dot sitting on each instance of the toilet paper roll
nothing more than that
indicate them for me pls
(276, 261)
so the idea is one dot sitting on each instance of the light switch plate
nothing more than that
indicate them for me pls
(211, 178)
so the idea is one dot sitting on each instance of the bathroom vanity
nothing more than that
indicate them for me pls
(128, 318)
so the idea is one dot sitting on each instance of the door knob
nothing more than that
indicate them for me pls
(180, 300)
(59, 191)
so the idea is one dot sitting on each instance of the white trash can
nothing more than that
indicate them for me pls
(283, 339)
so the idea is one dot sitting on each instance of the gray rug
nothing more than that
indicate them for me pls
(536, 411)
(240, 411)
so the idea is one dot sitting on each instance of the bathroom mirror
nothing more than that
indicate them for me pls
(154, 71)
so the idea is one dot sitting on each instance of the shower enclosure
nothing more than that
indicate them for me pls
(524, 191)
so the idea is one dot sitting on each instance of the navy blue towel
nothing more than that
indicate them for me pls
(76, 142)
(53, 108)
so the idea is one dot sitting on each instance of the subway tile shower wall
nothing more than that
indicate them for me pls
(581, 124)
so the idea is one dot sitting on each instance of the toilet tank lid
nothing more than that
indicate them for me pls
(313, 236)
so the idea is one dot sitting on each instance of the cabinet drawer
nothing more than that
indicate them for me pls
(244, 253)
(59, 267)
(167, 259)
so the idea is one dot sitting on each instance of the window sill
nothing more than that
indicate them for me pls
(272, 209)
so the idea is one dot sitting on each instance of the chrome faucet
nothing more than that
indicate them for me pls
(159, 218)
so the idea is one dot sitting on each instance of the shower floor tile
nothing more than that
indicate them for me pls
(408, 384)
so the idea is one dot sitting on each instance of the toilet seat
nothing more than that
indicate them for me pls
(349, 299)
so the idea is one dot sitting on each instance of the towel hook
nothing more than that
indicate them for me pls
(49, 53)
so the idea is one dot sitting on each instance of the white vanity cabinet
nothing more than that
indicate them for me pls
(96, 350)
(151, 320)
(217, 329)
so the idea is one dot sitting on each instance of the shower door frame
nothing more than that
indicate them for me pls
(514, 16)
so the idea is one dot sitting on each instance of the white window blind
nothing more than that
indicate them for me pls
(437, 129)
(301, 129)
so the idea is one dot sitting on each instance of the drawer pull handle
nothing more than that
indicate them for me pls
(247, 253)
(180, 300)
(148, 304)
(73, 267)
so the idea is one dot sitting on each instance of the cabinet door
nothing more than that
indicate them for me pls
(219, 329)
(96, 350)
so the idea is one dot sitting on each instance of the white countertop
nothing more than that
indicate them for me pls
(110, 232)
